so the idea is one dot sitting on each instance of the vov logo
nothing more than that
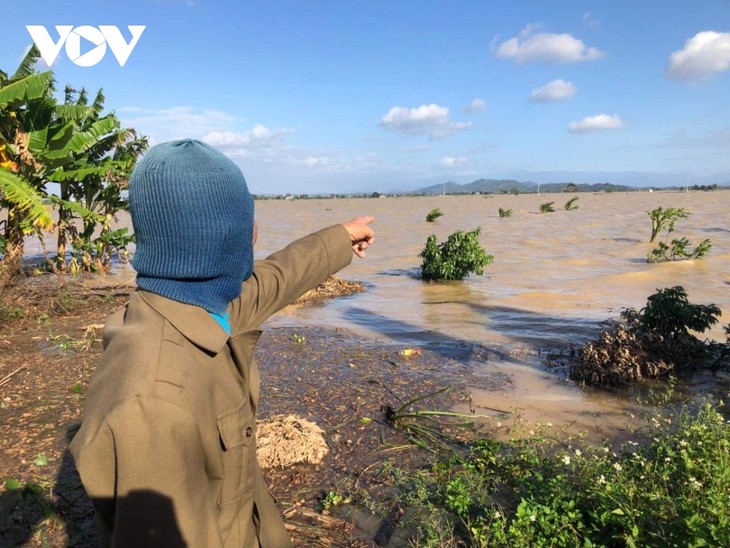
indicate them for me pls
(71, 36)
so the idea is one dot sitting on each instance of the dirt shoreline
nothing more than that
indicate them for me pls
(50, 343)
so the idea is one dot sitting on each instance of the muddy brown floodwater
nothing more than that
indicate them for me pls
(556, 277)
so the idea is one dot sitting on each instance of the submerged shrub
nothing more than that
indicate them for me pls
(460, 255)
(434, 214)
(505, 212)
(656, 341)
(570, 204)
(547, 207)
(678, 250)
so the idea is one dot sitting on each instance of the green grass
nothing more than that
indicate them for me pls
(670, 488)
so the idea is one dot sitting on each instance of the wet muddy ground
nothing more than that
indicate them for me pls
(49, 345)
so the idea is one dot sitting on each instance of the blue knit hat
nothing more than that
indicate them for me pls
(193, 219)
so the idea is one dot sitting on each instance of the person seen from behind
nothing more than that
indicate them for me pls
(167, 444)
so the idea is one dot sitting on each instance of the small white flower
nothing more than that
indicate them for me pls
(497, 515)
(566, 459)
(532, 432)
(683, 443)
(667, 459)
(578, 453)
(549, 424)
(533, 518)
(602, 480)
(617, 466)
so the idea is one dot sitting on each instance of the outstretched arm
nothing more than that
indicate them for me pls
(302, 265)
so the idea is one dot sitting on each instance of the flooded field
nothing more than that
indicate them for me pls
(556, 277)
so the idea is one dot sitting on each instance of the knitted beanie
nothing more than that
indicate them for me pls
(192, 215)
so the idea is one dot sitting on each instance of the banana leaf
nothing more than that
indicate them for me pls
(31, 87)
(25, 198)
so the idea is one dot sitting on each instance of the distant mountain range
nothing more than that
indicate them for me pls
(498, 186)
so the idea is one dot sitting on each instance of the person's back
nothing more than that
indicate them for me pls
(167, 447)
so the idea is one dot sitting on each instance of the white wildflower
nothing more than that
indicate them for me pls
(566, 459)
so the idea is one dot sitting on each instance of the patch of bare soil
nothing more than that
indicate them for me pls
(50, 331)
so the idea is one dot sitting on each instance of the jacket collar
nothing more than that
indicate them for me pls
(194, 322)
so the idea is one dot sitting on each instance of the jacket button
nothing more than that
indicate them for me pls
(249, 431)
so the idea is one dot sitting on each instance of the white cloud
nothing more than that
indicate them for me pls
(175, 122)
(245, 143)
(317, 161)
(599, 122)
(431, 120)
(530, 46)
(452, 161)
(556, 90)
(704, 54)
(590, 21)
(477, 105)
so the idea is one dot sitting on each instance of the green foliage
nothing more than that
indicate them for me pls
(669, 314)
(73, 144)
(657, 341)
(570, 204)
(671, 490)
(505, 212)
(547, 207)
(460, 255)
(678, 250)
(665, 219)
(434, 214)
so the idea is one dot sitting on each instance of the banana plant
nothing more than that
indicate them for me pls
(72, 144)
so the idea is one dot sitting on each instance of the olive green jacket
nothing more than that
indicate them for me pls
(167, 445)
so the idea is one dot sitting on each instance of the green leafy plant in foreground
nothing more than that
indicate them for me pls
(434, 214)
(547, 207)
(460, 255)
(505, 212)
(670, 490)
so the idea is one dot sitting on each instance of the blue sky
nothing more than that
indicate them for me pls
(325, 96)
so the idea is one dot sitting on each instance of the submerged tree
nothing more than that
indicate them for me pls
(460, 255)
(665, 218)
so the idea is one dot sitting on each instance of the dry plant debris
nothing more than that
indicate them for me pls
(284, 440)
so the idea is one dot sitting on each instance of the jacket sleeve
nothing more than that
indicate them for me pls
(286, 275)
(145, 473)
